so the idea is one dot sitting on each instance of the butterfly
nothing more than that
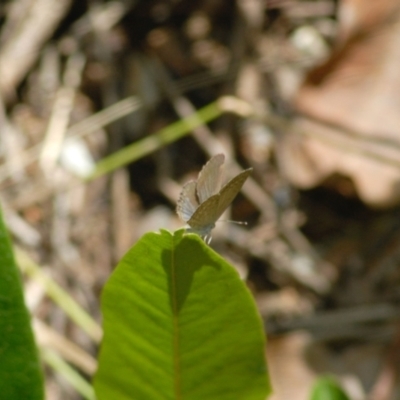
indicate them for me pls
(202, 202)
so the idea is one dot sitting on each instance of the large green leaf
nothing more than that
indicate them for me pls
(179, 324)
(20, 373)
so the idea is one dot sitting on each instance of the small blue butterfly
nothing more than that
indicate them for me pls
(202, 202)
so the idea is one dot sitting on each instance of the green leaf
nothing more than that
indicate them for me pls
(179, 324)
(326, 388)
(20, 373)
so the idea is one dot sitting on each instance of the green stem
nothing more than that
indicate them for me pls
(156, 141)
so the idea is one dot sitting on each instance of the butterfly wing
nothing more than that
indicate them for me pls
(209, 181)
(230, 191)
(203, 219)
(207, 214)
(187, 203)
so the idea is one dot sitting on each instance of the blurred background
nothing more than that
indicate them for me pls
(305, 92)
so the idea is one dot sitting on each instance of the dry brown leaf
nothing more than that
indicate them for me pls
(351, 106)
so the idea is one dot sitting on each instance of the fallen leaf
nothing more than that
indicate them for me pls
(350, 122)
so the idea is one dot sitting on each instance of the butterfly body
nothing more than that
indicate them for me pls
(202, 202)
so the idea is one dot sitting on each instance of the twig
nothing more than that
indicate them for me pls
(89, 125)
(62, 298)
(62, 109)
(47, 337)
(24, 40)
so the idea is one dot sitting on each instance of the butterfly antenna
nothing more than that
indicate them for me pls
(234, 222)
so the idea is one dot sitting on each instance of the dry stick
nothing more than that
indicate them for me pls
(121, 216)
(307, 9)
(62, 298)
(336, 324)
(105, 117)
(101, 17)
(12, 149)
(47, 337)
(88, 125)
(59, 119)
(19, 227)
(60, 233)
(22, 42)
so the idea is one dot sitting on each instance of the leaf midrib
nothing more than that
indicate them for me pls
(175, 332)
